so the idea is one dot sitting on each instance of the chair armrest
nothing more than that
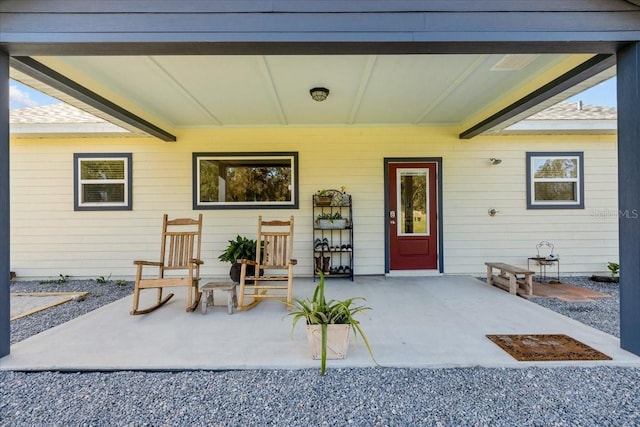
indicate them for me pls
(293, 261)
(139, 262)
(246, 261)
(196, 261)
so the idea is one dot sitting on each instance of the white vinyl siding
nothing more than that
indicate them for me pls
(54, 239)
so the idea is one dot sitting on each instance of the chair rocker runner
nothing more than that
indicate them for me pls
(179, 264)
(273, 263)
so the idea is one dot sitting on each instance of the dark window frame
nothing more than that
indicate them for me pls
(294, 204)
(532, 204)
(128, 202)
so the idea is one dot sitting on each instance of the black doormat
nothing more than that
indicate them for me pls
(556, 347)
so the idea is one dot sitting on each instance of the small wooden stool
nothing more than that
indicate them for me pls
(207, 295)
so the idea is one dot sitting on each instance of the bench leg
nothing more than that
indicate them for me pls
(513, 284)
(230, 300)
(529, 283)
(204, 302)
(490, 276)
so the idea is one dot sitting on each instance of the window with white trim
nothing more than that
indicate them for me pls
(245, 180)
(555, 180)
(102, 181)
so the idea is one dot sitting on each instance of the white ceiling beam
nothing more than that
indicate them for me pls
(168, 77)
(362, 88)
(263, 65)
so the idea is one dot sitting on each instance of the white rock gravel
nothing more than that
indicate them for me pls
(603, 313)
(99, 294)
(603, 396)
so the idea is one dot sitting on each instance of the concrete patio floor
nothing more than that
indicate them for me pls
(417, 322)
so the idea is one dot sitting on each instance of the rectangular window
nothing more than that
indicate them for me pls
(245, 180)
(413, 206)
(102, 181)
(555, 180)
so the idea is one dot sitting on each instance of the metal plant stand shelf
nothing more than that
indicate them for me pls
(543, 263)
(333, 237)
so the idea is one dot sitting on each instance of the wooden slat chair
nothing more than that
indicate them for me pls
(273, 263)
(179, 263)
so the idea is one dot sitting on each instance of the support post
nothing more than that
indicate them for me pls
(5, 246)
(628, 71)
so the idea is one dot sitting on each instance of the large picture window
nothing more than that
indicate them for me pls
(102, 181)
(245, 180)
(555, 181)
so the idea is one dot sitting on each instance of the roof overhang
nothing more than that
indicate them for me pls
(64, 88)
(184, 46)
(562, 127)
(594, 69)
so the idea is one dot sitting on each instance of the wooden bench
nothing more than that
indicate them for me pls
(508, 278)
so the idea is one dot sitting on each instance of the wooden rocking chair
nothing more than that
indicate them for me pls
(179, 253)
(274, 248)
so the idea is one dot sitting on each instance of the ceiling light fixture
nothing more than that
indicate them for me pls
(319, 93)
(495, 161)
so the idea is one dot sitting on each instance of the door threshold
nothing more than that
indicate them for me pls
(413, 273)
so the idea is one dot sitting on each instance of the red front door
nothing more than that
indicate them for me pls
(413, 216)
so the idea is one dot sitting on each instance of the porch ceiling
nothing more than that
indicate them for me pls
(273, 90)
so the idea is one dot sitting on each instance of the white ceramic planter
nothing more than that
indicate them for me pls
(332, 224)
(337, 341)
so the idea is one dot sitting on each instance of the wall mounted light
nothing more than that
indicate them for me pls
(495, 161)
(319, 93)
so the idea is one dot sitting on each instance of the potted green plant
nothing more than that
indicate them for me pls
(331, 220)
(323, 197)
(328, 324)
(614, 268)
(240, 248)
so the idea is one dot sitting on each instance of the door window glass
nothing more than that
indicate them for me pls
(413, 188)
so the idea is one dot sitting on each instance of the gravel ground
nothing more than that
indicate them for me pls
(99, 294)
(604, 396)
(604, 314)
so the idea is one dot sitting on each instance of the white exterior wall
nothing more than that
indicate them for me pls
(49, 238)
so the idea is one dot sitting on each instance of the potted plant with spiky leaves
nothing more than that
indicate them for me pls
(329, 323)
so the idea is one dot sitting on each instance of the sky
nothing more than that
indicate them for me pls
(603, 94)
(21, 96)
